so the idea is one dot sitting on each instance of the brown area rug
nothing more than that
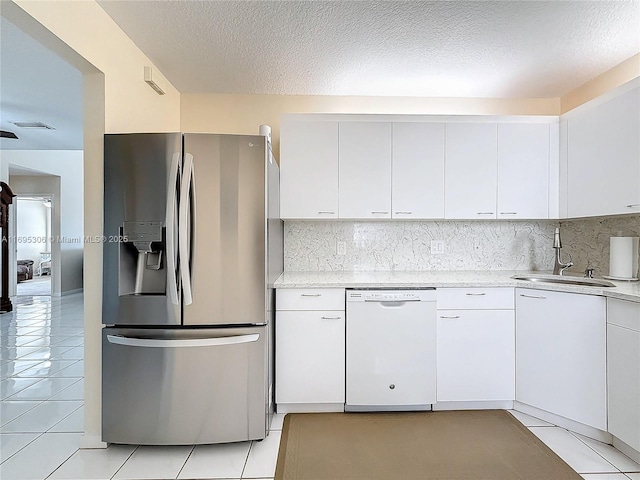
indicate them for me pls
(456, 445)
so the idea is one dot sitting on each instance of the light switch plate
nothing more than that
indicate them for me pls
(341, 248)
(437, 247)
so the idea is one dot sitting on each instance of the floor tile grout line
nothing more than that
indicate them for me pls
(37, 402)
(63, 419)
(193, 447)
(59, 466)
(38, 435)
(125, 462)
(593, 449)
(246, 459)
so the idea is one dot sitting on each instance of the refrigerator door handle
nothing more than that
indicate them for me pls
(178, 343)
(184, 237)
(172, 204)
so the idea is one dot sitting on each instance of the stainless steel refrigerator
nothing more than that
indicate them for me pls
(193, 244)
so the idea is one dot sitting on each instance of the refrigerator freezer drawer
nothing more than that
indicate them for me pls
(184, 387)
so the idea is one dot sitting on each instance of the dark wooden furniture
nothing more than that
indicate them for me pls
(6, 199)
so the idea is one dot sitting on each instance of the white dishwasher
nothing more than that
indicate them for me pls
(391, 350)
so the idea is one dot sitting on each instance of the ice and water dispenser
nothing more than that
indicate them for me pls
(142, 268)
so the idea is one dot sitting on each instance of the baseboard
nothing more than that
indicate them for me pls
(70, 292)
(92, 441)
(563, 422)
(388, 408)
(482, 405)
(309, 407)
(628, 450)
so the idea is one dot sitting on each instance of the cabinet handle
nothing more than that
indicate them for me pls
(475, 294)
(310, 294)
(379, 213)
(532, 296)
(455, 316)
(508, 213)
(633, 205)
(331, 318)
(484, 213)
(404, 213)
(326, 213)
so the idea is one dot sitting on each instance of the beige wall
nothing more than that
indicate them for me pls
(244, 113)
(618, 75)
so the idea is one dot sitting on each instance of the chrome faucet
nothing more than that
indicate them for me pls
(559, 267)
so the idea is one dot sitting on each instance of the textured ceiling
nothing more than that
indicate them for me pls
(422, 48)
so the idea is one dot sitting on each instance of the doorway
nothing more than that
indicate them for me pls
(33, 246)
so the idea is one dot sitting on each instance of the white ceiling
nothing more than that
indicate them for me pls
(37, 86)
(416, 48)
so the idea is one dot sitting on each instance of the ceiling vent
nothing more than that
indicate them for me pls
(33, 125)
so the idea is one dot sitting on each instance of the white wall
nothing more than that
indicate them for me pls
(39, 185)
(68, 165)
(31, 229)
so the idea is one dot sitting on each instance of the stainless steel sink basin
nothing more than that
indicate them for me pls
(564, 280)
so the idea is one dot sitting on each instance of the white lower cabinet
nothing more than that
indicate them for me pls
(476, 345)
(475, 355)
(623, 370)
(310, 351)
(561, 354)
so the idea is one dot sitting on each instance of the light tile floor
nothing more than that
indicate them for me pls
(41, 417)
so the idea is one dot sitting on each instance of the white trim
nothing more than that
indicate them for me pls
(571, 425)
(309, 407)
(629, 451)
(68, 292)
(480, 405)
(375, 117)
(92, 442)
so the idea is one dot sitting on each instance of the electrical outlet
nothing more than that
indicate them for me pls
(437, 247)
(341, 248)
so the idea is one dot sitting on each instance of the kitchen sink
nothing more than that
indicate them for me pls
(581, 281)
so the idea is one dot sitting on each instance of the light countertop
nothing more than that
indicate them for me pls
(439, 279)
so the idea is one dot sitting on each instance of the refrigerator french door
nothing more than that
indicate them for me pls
(187, 287)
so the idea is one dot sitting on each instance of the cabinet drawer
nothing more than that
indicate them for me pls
(623, 313)
(310, 299)
(475, 298)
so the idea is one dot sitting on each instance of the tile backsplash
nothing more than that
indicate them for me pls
(406, 246)
(587, 239)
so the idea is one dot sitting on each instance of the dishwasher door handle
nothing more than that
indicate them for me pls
(393, 301)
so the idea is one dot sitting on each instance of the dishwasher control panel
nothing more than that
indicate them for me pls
(428, 295)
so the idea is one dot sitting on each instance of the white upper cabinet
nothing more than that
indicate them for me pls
(309, 170)
(365, 169)
(471, 170)
(523, 170)
(418, 170)
(604, 157)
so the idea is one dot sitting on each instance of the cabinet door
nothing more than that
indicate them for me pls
(476, 355)
(623, 370)
(471, 169)
(418, 170)
(604, 158)
(310, 357)
(523, 170)
(365, 170)
(561, 354)
(309, 170)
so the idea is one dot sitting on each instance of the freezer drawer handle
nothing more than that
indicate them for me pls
(451, 317)
(310, 294)
(475, 294)
(192, 342)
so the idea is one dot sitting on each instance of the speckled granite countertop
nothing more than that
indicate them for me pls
(421, 279)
